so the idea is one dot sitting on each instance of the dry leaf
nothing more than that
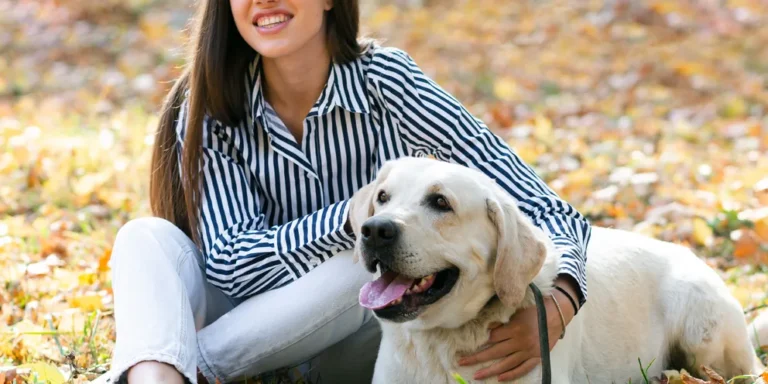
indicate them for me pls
(761, 229)
(104, 260)
(87, 278)
(506, 89)
(45, 372)
(745, 244)
(702, 232)
(88, 302)
(714, 377)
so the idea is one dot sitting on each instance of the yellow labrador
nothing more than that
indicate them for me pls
(453, 253)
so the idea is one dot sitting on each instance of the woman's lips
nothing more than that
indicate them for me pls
(271, 23)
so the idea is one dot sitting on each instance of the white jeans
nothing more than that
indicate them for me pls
(166, 311)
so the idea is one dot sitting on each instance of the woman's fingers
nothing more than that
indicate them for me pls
(496, 351)
(521, 370)
(502, 366)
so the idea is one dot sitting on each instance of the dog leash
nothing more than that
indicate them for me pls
(546, 368)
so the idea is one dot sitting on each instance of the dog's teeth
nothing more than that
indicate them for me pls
(408, 291)
(397, 301)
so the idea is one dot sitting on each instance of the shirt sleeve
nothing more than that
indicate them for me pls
(245, 257)
(433, 121)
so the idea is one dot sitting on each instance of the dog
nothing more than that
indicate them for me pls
(454, 254)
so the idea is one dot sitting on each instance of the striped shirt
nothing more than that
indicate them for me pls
(273, 209)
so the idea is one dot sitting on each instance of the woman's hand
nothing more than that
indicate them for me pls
(516, 344)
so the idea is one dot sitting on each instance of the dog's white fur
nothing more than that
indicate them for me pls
(645, 296)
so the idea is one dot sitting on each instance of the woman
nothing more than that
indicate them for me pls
(280, 117)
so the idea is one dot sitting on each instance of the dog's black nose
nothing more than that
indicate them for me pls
(379, 232)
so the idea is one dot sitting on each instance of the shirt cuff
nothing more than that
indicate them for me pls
(305, 243)
(572, 263)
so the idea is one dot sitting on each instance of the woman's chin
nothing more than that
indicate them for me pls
(274, 48)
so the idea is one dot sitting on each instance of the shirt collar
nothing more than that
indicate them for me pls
(345, 88)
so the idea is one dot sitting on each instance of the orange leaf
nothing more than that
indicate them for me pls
(104, 260)
(745, 244)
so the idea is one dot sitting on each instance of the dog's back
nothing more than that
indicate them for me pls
(656, 303)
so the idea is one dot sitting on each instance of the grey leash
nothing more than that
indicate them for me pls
(546, 368)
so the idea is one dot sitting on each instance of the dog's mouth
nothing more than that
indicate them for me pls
(394, 293)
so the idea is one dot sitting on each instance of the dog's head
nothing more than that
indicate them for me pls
(445, 239)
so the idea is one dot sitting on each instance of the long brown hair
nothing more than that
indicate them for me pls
(214, 77)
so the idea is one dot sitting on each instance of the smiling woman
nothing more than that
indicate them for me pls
(281, 117)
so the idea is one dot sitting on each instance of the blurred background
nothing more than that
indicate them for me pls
(645, 115)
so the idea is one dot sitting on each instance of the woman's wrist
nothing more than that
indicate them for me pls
(566, 293)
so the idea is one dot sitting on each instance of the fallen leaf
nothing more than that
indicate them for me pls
(745, 244)
(714, 377)
(702, 232)
(46, 372)
(87, 278)
(506, 89)
(104, 260)
(88, 302)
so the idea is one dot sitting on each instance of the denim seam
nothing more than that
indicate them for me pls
(185, 253)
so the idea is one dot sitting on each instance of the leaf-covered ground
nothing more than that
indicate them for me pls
(645, 115)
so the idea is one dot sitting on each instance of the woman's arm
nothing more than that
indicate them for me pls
(245, 258)
(432, 120)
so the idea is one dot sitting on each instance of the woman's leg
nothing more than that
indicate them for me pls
(161, 299)
(295, 323)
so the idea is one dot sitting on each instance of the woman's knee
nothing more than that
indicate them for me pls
(151, 237)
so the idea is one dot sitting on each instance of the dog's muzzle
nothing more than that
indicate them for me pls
(379, 236)
(378, 232)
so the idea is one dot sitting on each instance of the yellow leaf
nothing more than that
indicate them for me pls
(761, 228)
(89, 302)
(86, 278)
(543, 128)
(734, 107)
(45, 372)
(84, 186)
(702, 233)
(506, 89)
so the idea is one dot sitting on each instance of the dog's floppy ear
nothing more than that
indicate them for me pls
(519, 253)
(361, 206)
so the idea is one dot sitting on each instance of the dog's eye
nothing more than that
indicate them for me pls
(441, 203)
(383, 197)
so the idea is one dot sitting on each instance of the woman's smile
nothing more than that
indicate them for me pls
(277, 29)
(269, 23)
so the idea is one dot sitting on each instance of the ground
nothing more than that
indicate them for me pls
(645, 115)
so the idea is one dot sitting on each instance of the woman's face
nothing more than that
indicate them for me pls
(277, 28)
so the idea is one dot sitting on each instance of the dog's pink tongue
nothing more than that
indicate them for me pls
(390, 286)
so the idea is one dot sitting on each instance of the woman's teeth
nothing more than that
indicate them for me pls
(271, 21)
